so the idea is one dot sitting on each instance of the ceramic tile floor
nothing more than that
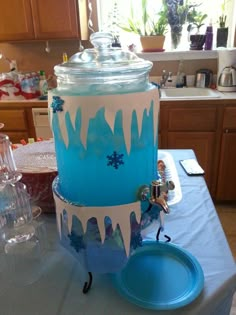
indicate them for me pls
(227, 215)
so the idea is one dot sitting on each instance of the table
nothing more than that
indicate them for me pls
(193, 225)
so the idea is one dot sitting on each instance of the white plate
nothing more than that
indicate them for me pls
(37, 157)
(174, 196)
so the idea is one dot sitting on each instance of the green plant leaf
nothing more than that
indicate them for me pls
(150, 23)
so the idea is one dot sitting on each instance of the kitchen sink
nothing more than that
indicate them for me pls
(189, 92)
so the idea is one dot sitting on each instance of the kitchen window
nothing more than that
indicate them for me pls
(112, 12)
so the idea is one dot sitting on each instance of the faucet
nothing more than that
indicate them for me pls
(154, 194)
(165, 77)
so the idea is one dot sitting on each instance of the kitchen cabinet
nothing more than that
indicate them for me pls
(227, 167)
(43, 20)
(16, 21)
(17, 124)
(192, 125)
(18, 120)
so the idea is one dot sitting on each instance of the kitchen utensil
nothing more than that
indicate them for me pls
(200, 80)
(204, 78)
(226, 74)
(227, 77)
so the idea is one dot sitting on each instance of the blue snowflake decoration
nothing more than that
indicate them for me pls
(76, 241)
(115, 160)
(57, 103)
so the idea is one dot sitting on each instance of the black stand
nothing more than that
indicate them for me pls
(87, 285)
(168, 239)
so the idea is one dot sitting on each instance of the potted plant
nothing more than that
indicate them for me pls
(150, 27)
(177, 12)
(222, 30)
(196, 21)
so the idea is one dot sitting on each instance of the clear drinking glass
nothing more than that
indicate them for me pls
(15, 214)
(24, 262)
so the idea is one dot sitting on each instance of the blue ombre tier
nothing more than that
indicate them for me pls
(105, 162)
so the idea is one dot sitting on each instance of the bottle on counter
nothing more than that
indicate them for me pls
(209, 37)
(43, 84)
(64, 57)
(169, 81)
(181, 76)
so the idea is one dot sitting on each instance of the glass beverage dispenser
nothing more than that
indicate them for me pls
(104, 117)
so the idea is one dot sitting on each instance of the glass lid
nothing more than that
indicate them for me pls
(103, 59)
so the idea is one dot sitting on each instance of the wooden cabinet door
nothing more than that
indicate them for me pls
(55, 19)
(227, 167)
(15, 124)
(201, 142)
(16, 20)
(13, 119)
(16, 136)
(192, 119)
(226, 188)
(229, 121)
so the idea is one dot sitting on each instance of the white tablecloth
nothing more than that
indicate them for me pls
(193, 225)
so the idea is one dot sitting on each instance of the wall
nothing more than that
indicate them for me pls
(190, 66)
(31, 56)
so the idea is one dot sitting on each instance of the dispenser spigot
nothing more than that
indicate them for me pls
(154, 193)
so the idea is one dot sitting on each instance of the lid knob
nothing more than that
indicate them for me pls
(101, 40)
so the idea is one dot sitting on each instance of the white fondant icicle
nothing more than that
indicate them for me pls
(118, 214)
(127, 103)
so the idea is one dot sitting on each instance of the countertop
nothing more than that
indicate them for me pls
(229, 95)
(224, 96)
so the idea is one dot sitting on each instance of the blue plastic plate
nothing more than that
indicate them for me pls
(160, 276)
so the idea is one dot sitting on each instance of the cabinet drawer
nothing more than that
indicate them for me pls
(40, 117)
(14, 119)
(17, 136)
(192, 119)
(229, 121)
